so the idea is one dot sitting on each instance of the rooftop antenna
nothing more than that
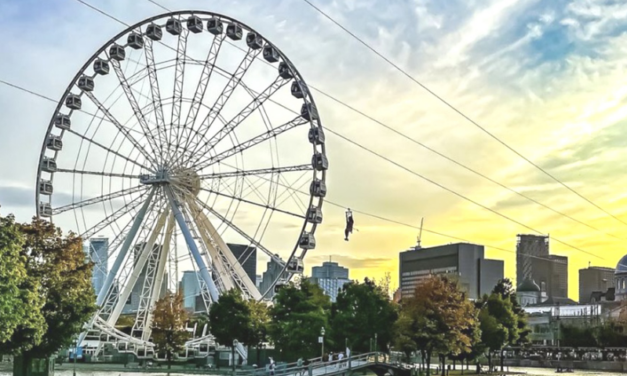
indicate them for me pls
(419, 238)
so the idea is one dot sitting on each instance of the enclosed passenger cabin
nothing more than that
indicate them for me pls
(320, 162)
(285, 71)
(154, 32)
(117, 52)
(316, 136)
(86, 83)
(318, 188)
(49, 164)
(299, 89)
(314, 215)
(101, 67)
(254, 40)
(271, 54)
(135, 41)
(215, 26)
(122, 347)
(309, 112)
(45, 187)
(73, 101)
(173, 26)
(62, 121)
(141, 352)
(295, 266)
(54, 143)
(307, 241)
(45, 210)
(194, 24)
(234, 31)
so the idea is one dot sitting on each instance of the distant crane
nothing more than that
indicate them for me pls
(419, 238)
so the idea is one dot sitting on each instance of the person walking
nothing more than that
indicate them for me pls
(299, 366)
(271, 367)
(340, 357)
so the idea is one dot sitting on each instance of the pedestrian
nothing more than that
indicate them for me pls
(330, 357)
(339, 358)
(271, 367)
(299, 366)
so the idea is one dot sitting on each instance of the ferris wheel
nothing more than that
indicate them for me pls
(184, 136)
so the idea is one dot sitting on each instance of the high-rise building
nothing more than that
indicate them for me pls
(330, 277)
(133, 301)
(271, 274)
(530, 248)
(247, 257)
(462, 261)
(594, 278)
(190, 287)
(258, 280)
(534, 263)
(99, 255)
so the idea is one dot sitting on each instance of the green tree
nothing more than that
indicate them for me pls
(230, 319)
(61, 280)
(260, 321)
(297, 316)
(506, 290)
(168, 325)
(362, 310)
(499, 324)
(438, 319)
(19, 301)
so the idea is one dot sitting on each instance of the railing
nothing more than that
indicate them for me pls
(318, 367)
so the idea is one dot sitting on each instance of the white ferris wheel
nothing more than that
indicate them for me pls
(182, 135)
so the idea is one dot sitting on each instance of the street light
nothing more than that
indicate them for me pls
(233, 355)
(322, 342)
(75, 355)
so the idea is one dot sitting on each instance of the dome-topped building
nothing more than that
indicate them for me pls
(528, 293)
(620, 279)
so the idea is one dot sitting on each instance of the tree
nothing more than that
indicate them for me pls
(506, 290)
(362, 310)
(230, 319)
(260, 321)
(59, 287)
(297, 316)
(499, 324)
(168, 325)
(438, 319)
(19, 301)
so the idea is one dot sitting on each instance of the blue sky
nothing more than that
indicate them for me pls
(545, 76)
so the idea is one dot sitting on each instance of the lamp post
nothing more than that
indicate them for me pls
(233, 355)
(322, 342)
(75, 355)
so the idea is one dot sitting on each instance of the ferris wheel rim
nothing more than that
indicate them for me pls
(308, 98)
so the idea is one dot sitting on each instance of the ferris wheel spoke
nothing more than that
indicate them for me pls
(205, 76)
(139, 115)
(179, 75)
(261, 171)
(113, 217)
(257, 102)
(252, 142)
(154, 90)
(98, 199)
(254, 203)
(120, 127)
(241, 232)
(108, 174)
(108, 149)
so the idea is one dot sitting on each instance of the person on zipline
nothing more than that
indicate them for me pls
(349, 224)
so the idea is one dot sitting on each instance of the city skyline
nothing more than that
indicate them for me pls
(544, 77)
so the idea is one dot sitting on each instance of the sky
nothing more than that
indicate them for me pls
(545, 78)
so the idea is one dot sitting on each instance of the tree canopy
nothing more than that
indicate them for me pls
(168, 325)
(57, 288)
(298, 314)
(230, 318)
(360, 311)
